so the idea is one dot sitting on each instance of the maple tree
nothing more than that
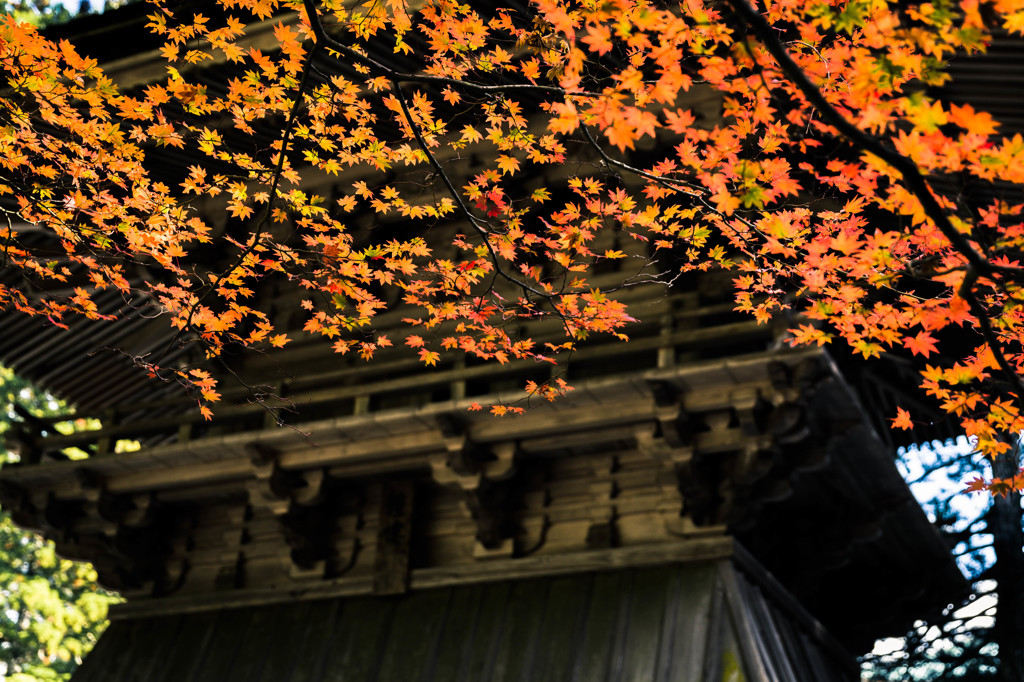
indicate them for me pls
(824, 185)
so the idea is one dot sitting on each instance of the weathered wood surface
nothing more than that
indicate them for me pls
(394, 538)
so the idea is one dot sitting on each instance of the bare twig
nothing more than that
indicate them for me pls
(481, 230)
(327, 40)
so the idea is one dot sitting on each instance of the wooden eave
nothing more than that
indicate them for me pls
(396, 440)
(673, 459)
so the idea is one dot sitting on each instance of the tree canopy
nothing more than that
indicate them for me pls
(559, 136)
(51, 610)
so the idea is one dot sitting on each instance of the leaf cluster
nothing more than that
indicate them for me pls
(479, 167)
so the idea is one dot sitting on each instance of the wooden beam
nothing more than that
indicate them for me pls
(689, 551)
(394, 537)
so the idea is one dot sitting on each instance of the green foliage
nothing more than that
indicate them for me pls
(51, 610)
(38, 12)
(44, 13)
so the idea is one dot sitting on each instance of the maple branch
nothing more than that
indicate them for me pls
(913, 180)
(699, 193)
(7, 240)
(940, 465)
(685, 187)
(989, 334)
(482, 231)
(275, 183)
(324, 38)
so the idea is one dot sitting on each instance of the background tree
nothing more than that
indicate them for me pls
(51, 610)
(44, 13)
(976, 639)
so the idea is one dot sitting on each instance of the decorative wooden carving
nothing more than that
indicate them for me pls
(297, 499)
(269, 486)
(230, 572)
(673, 421)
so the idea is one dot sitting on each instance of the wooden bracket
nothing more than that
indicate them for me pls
(267, 488)
(480, 472)
(275, 488)
(467, 464)
(673, 420)
(677, 468)
(603, 532)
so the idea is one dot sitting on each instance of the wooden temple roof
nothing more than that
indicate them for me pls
(637, 467)
(701, 622)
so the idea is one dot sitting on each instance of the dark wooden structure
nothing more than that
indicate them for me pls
(707, 504)
(392, 499)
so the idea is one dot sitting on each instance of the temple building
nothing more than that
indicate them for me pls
(706, 504)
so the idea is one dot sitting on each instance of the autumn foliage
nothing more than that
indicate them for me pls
(830, 183)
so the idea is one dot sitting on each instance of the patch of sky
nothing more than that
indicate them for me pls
(937, 473)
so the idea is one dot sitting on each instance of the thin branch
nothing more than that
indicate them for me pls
(913, 180)
(939, 466)
(275, 183)
(7, 240)
(680, 185)
(326, 39)
(482, 231)
(992, 340)
(966, 292)
(699, 193)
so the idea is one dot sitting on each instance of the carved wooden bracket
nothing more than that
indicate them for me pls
(673, 421)
(123, 537)
(602, 532)
(483, 474)
(269, 486)
(534, 524)
(711, 459)
(676, 466)
(298, 499)
(230, 573)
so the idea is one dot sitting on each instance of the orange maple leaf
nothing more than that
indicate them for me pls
(902, 420)
(922, 344)
(598, 38)
(976, 485)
